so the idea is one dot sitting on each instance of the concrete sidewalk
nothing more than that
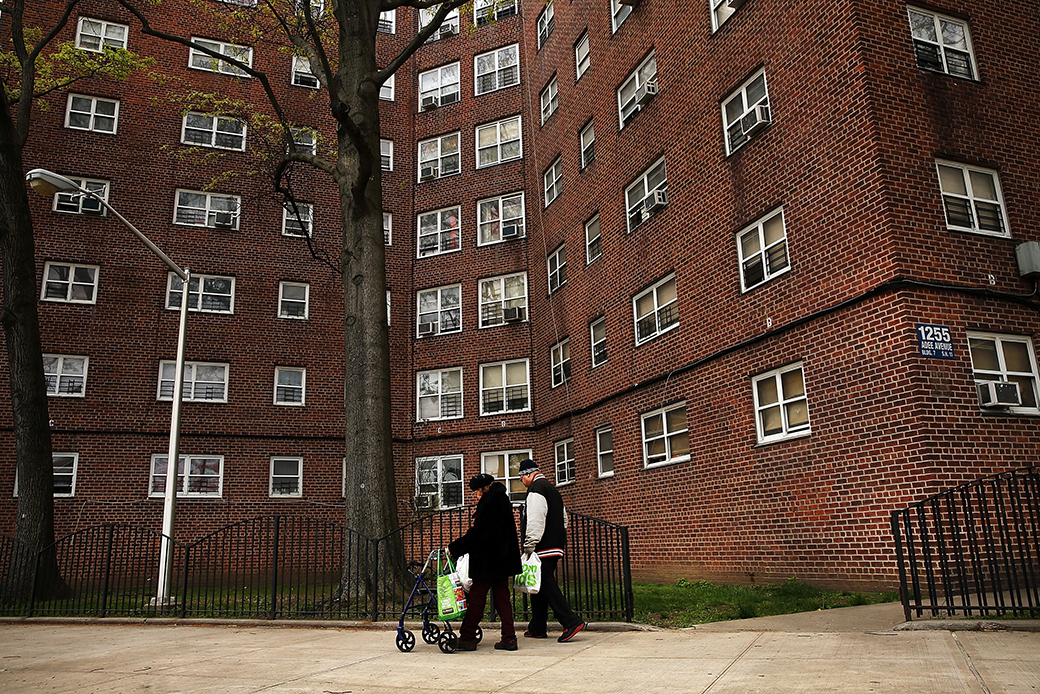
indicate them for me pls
(848, 650)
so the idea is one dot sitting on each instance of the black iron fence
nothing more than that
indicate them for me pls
(973, 550)
(286, 567)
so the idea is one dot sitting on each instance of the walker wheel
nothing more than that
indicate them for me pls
(430, 633)
(448, 643)
(405, 641)
(480, 634)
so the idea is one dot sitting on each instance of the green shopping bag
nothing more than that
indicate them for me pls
(451, 598)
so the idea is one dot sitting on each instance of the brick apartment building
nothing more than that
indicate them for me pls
(734, 271)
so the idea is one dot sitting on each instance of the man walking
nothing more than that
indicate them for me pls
(545, 533)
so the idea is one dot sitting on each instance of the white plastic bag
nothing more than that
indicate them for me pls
(462, 569)
(529, 580)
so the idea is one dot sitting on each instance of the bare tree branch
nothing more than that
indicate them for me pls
(27, 59)
(420, 38)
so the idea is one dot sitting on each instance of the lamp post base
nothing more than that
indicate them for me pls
(161, 604)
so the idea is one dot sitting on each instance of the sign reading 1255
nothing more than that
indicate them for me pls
(935, 341)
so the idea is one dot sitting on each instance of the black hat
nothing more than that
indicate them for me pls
(480, 481)
(527, 466)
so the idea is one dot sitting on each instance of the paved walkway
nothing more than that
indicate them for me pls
(846, 650)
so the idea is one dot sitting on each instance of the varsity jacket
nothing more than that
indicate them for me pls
(545, 519)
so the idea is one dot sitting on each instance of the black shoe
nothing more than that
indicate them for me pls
(532, 635)
(467, 644)
(506, 645)
(568, 634)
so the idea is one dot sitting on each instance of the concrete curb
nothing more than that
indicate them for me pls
(970, 625)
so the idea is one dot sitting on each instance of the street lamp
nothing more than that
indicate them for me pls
(49, 184)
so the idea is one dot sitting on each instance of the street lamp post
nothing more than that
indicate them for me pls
(49, 183)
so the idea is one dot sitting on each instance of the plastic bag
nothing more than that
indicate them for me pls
(462, 568)
(529, 580)
(451, 598)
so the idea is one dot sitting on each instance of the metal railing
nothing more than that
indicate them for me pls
(973, 550)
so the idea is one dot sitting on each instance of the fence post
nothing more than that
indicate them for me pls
(184, 586)
(375, 580)
(903, 595)
(108, 570)
(626, 563)
(274, 568)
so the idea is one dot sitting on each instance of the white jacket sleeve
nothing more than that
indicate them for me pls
(537, 510)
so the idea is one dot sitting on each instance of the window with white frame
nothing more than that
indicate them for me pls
(386, 91)
(286, 476)
(721, 10)
(941, 43)
(301, 73)
(439, 87)
(648, 195)
(564, 455)
(971, 199)
(80, 203)
(439, 231)
(582, 56)
(637, 90)
(487, 11)
(386, 155)
(556, 266)
(290, 386)
(504, 466)
(781, 405)
(204, 61)
(656, 310)
(605, 452)
(550, 99)
(618, 14)
(205, 475)
(666, 438)
(203, 382)
(762, 250)
(92, 113)
(294, 300)
(438, 482)
(439, 310)
(439, 157)
(316, 7)
(305, 140)
(560, 355)
(553, 179)
(500, 219)
(218, 132)
(503, 299)
(499, 142)
(97, 34)
(66, 376)
(746, 112)
(64, 467)
(297, 219)
(598, 341)
(198, 209)
(588, 145)
(1007, 358)
(387, 22)
(546, 22)
(449, 27)
(206, 293)
(388, 228)
(504, 387)
(497, 70)
(70, 283)
(593, 242)
(438, 394)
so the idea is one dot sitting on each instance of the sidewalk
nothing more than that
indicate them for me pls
(846, 650)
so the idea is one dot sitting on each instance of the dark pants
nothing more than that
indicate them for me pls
(548, 596)
(477, 599)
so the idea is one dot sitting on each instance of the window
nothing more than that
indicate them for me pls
(941, 43)
(762, 250)
(387, 22)
(64, 465)
(546, 23)
(301, 73)
(293, 300)
(440, 310)
(316, 7)
(500, 219)
(218, 132)
(618, 13)
(582, 57)
(746, 112)
(290, 386)
(386, 91)
(198, 209)
(439, 87)
(781, 406)
(504, 466)
(565, 461)
(1007, 358)
(203, 61)
(605, 452)
(203, 382)
(66, 376)
(487, 11)
(972, 199)
(388, 228)
(297, 219)
(205, 475)
(503, 387)
(665, 436)
(439, 157)
(497, 69)
(721, 10)
(634, 92)
(97, 34)
(593, 243)
(503, 299)
(449, 26)
(438, 482)
(556, 265)
(498, 142)
(648, 195)
(656, 310)
(71, 283)
(286, 476)
(550, 100)
(598, 341)
(588, 145)
(206, 293)
(439, 231)
(80, 203)
(439, 394)
(561, 363)
(386, 155)
(305, 140)
(553, 178)
(92, 113)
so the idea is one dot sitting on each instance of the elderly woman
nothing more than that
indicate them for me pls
(494, 556)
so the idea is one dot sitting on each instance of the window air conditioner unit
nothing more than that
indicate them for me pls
(427, 329)
(429, 103)
(448, 30)
(424, 501)
(513, 314)
(656, 201)
(735, 4)
(224, 220)
(645, 93)
(998, 394)
(755, 120)
(512, 231)
(427, 173)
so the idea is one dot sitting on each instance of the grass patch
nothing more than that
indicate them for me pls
(695, 602)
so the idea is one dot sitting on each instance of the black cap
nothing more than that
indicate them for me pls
(527, 466)
(480, 481)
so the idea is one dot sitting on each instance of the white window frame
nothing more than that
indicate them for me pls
(284, 391)
(441, 157)
(721, 10)
(446, 236)
(305, 139)
(302, 227)
(560, 358)
(667, 434)
(284, 301)
(493, 299)
(79, 203)
(1003, 373)
(184, 462)
(71, 284)
(521, 390)
(94, 119)
(587, 137)
(500, 145)
(546, 22)
(508, 464)
(446, 92)
(102, 37)
(662, 310)
(213, 130)
(430, 388)
(504, 77)
(770, 254)
(733, 126)
(618, 14)
(785, 401)
(57, 471)
(446, 314)
(205, 285)
(302, 75)
(604, 452)
(488, 11)
(386, 155)
(550, 99)
(442, 483)
(553, 181)
(971, 199)
(563, 455)
(387, 22)
(593, 240)
(582, 55)
(68, 370)
(556, 267)
(215, 64)
(215, 203)
(490, 220)
(283, 476)
(598, 355)
(642, 188)
(388, 229)
(426, 16)
(386, 90)
(942, 53)
(167, 372)
(627, 104)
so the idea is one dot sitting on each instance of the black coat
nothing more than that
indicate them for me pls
(491, 542)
